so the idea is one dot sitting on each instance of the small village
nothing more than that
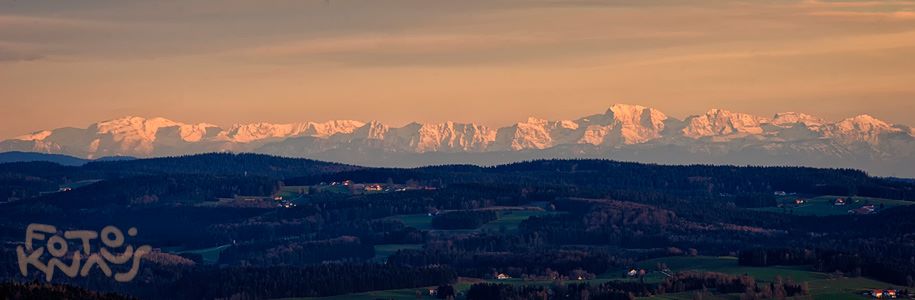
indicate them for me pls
(830, 205)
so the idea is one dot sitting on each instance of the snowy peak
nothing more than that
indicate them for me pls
(637, 124)
(534, 133)
(862, 128)
(127, 136)
(373, 130)
(35, 136)
(719, 122)
(621, 124)
(255, 132)
(148, 130)
(863, 123)
(245, 133)
(790, 119)
(139, 136)
(331, 128)
(133, 127)
(450, 136)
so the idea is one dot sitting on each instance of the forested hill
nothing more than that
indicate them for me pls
(186, 178)
(222, 164)
(19, 156)
(228, 164)
(223, 174)
(605, 175)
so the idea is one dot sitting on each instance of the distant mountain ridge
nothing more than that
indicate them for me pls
(19, 156)
(64, 160)
(626, 132)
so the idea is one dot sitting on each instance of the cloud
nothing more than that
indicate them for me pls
(891, 16)
(492, 37)
(858, 4)
(18, 52)
(392, 44)
(7, 56)
(29, 38)
(860, 10)
(822, 46)
(34, 23)
(412, 49)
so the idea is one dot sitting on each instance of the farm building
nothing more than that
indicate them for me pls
(373, 187)
(883, 294)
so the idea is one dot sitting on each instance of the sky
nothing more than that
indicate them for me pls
(495, 62)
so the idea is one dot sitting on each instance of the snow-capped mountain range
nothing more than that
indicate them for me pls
(625, 132)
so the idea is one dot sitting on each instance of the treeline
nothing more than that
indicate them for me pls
(612, 290)
(748, 184)
(15, 187)
(518, 263)
(38, 291)
(297, 253)
(163, 280)
(23, 180)
(729, 284)
(312, 281)
(629, 290)
(718, 179)
(162, 189)
(455, 197)
(873, 263)
(464, 219)
(222, 164)
(604, 222)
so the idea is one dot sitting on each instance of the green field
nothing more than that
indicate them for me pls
(210, 255)
(383, 251)
(418, 221)
(81, 183)
(510, 219)
(824, 205)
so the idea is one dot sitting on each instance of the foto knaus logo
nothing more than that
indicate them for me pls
(82, 261)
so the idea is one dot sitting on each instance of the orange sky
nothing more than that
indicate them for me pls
(493, 62)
